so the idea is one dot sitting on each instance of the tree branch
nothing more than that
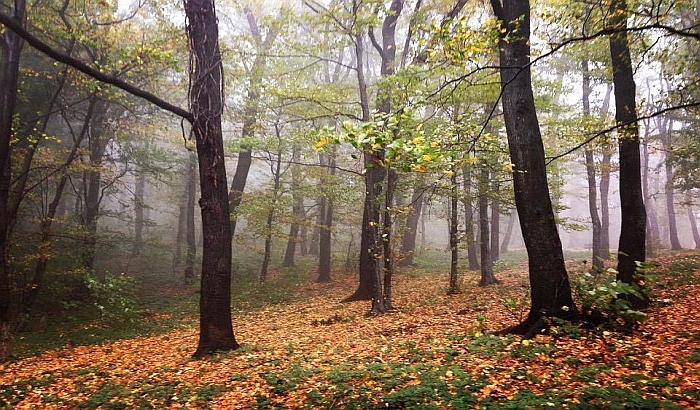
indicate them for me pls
(89, 71)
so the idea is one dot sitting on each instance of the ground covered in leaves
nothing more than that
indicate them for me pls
(435, 351)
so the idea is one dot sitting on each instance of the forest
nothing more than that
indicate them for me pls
(361, 204)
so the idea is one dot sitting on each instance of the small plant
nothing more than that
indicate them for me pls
(606, 297)
(115, 297)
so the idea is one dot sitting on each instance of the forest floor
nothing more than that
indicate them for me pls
(434, 351)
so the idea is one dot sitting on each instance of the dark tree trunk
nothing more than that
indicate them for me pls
(472, 254)
(10, 50)
(191, 236)
(509, 231)
(297, 212)
(180, 236)
(370, 216)
(206, 101)
(596, 257)
(92, 189)
(632, 247)
(408, 243)
(549, 282)
(303, 240)
(391, 182)
(324, 256)
(605, 169)
(487, 276)
(650, 241)
(694, 226)
(454, 234)
(495, 222)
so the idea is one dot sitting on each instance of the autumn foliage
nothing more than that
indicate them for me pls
(435, 351)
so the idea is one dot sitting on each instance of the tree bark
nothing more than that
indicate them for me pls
(509, 231)
(297, 211)
(277, 175)
(206, 102)
(370, 216)
(487, 276)
(454, 235)
(495, 222)
(10, 50)
(472, 255)
(670, 199)
(408, 242)
(632, 246)
(325, 237)
(694, 226)
(549, 281)
(596, 257)
(191, 236)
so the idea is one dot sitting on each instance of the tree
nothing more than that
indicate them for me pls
(632, 245)
(549, 281)
(206, 104)
(10, 49)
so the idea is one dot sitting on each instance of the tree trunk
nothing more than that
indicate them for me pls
(324, 257)
(509, 231)
(487, 276)
(605, 169)
(632, 247)
(92, 190)
(370, 218)
(206, 101)
(191, 191)
(454, 234)
(495, 222)
(10, 50)
(139, 219)
(391, 182)
(549, 282)
(251, 108)
(694, 226)
(408, 243)
(297, 212)
(277, 175)
(670, 206)
(472, 255)
(596, 257)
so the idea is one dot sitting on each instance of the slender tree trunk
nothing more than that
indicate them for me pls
(549, 282)
(251, 110)
(297, 212)
(632, 247)
(206, 101)
(454, 234)
(92, 181)
(324, 257)
(670, 205)
(316, 231)
(139, 220)
(487, 276)
(605, 169)
(509, 231)
(408, 243)
(693, 226)
(370, 218)
(472, 254)
(277, 175)
(596, 257)
(191, 192)
(495, 222)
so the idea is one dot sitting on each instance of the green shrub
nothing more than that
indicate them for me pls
(115, 297)
(603, 295)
